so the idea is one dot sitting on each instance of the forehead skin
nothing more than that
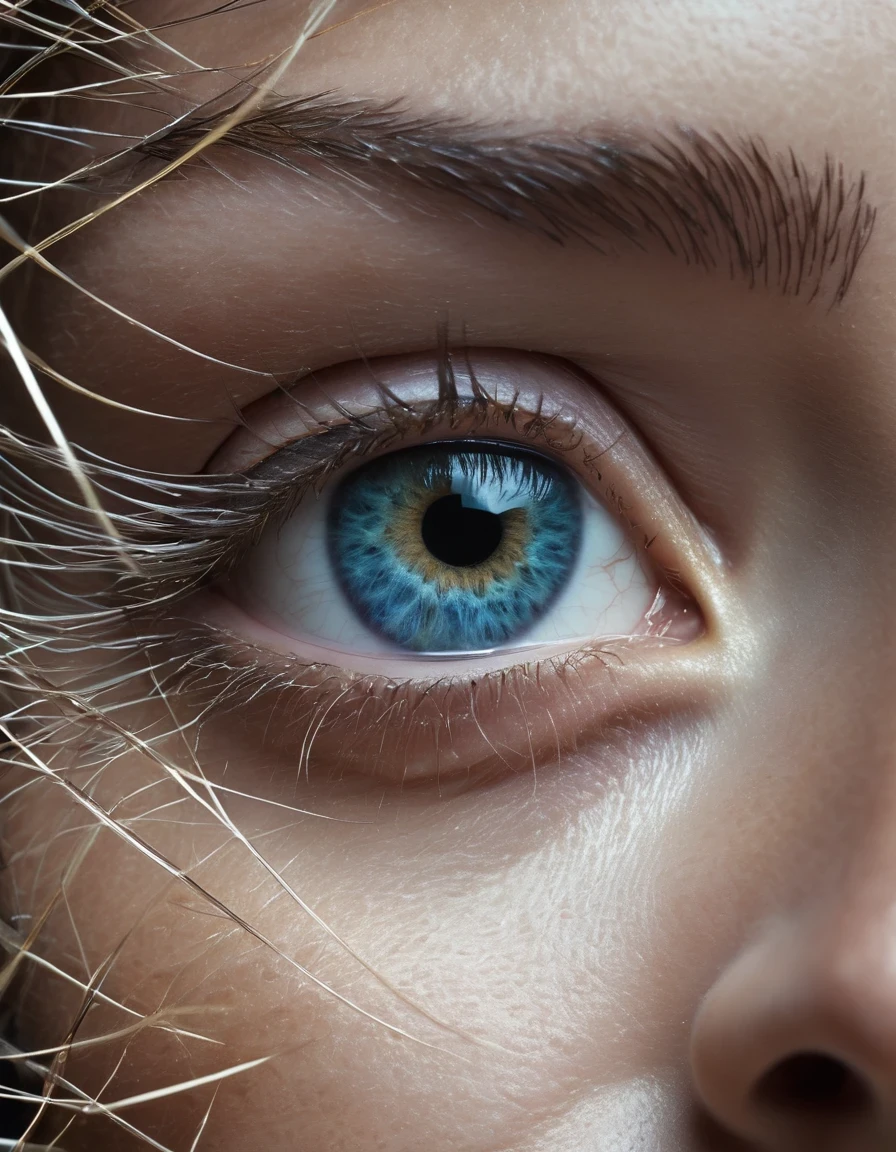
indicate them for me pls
(574, 933)
(266, 292)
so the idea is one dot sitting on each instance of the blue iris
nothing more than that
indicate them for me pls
(454, 547)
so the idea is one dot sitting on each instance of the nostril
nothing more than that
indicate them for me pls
(811, 1082)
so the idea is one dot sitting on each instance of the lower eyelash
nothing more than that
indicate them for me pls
(318, 722)
(325, 724)
(184, 532)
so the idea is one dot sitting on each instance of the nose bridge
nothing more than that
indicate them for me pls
(797, 1037)
(844, 743)
(851, 935)
(837, 984)
(847, 831)
(853, 918)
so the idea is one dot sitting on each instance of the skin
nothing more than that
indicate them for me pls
(704, 887)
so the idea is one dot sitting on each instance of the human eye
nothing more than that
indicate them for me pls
(460, 548)
(454, 547)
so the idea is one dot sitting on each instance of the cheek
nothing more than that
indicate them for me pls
(491, 944)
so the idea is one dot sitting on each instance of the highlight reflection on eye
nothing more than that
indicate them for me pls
(448, 548)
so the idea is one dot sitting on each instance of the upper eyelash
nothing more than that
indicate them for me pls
(315, 458)
(183, 532)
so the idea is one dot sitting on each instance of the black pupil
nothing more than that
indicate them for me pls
(460, 536)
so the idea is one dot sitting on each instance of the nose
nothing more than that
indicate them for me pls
(794, 1047)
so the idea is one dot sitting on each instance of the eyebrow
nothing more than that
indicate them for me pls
(734, 206)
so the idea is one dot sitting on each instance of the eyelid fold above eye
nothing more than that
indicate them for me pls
(503, 708)
(548, 391)
(505, 394)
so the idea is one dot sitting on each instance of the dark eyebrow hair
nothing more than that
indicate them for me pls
(734, 206)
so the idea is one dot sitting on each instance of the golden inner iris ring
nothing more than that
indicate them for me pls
(405, 536)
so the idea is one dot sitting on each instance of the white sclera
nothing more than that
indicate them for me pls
(288, 584)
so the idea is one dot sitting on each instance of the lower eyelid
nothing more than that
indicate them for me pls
(318, 721)
(221, 614)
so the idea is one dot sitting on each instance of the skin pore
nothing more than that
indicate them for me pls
(650, 904)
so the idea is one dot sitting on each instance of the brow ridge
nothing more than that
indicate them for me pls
(729, 205)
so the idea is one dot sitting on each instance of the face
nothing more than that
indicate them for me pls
(500, 755)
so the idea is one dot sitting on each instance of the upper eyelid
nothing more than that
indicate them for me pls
(459, 383)
(301, 464)
(184, 531)
(290, 471)
(454, 383)
(205, 524)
